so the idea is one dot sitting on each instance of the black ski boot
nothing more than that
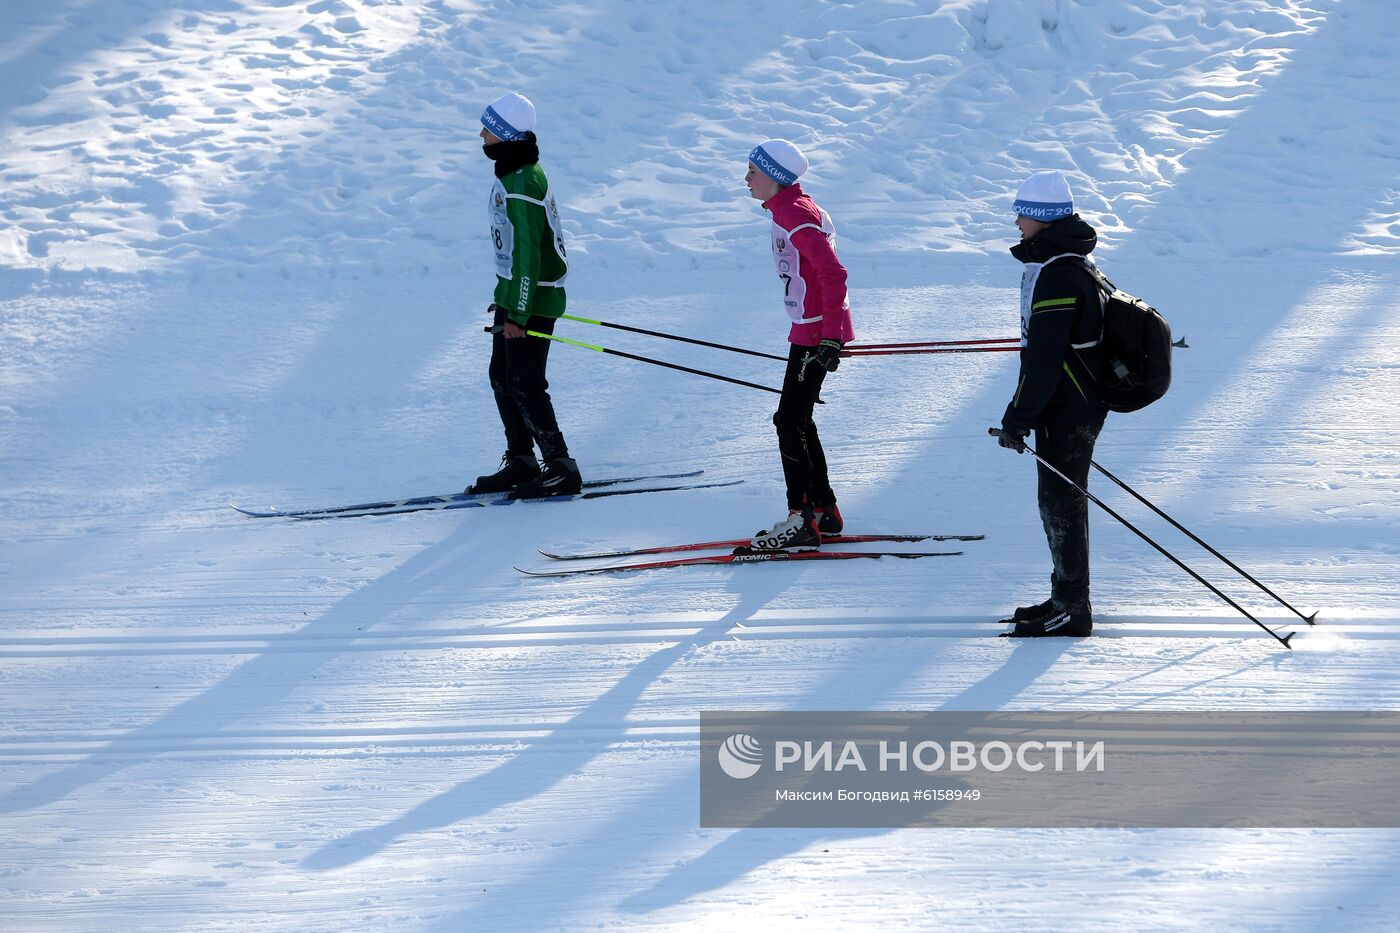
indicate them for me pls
(515, 469)
(1070, 623)
(829, 521)
(559, 478)
(1030, 613)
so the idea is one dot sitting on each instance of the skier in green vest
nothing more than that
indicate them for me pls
(531, 266)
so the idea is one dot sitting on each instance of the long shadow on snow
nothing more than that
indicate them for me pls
(267, 679)
(545, 762)
(653, 826)
(744, 851)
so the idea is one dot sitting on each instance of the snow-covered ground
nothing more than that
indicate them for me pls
(244, 260)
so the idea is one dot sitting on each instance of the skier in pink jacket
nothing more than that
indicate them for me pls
(814, 295)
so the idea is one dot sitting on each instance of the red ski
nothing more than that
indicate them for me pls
(761, 557)
(740, 542)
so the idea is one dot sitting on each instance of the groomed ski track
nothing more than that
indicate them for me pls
(386, 706)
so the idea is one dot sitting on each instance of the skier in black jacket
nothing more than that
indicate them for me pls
(1061, 326)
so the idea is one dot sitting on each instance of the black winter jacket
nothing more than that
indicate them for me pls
(1061, 322)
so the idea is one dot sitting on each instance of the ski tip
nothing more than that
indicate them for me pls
(547, 573)
(1312, 619)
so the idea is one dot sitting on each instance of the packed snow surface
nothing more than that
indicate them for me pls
(244, 258)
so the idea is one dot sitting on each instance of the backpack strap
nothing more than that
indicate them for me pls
(1105, 288)
(1094, 272)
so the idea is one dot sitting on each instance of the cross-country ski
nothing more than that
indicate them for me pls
(755, 557)
(741, 542)
(447, 500)
(488, 500)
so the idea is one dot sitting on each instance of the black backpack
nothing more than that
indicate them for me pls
(1135, 351)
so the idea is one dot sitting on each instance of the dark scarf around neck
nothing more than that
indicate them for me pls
(513, 154)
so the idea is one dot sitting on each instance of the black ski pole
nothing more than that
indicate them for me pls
(1282, 639)
(657, 333)
(647, 359)
(654, 362)
(1184, 530)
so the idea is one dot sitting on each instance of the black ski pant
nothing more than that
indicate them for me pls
(1064, 511)
(522, 391)
(804, 461)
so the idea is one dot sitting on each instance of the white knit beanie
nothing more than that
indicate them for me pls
(780, 160)
(1045, 197)
(510, 117)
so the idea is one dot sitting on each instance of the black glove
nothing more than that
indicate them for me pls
(1013, 432)
(829, 354)
(1013, 436)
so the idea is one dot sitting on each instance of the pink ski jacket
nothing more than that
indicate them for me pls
(814, 281)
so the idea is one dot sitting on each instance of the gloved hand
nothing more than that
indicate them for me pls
(1013, 437)
(1014, 430)
(829, 354)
